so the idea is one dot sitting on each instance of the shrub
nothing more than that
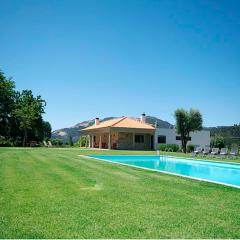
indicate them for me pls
(34, 144)
(4, 142)
(190, 148)
(17, 142)
(180, 150)
(217, 142)
(168, 147)
(82, 142)
(56, 142)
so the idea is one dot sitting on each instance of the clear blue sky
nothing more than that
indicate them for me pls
(114, 58)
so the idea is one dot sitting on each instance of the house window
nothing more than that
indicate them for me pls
(161, 139)
(179, 138)
(139, 138)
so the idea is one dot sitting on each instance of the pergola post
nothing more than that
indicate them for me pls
(92, 141)
(89, 141)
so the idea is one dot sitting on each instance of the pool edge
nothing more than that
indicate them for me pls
(155, 170)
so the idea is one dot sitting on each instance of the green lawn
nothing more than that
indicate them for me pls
(54, 193)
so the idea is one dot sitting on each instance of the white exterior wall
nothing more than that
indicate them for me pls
(200, 138)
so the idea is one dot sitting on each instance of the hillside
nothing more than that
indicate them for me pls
(75, 130)
(231, 134)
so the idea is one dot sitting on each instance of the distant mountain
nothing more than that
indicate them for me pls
(74, 131)
(160, 123)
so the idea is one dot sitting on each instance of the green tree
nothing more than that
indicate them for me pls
(46, 129)
(41, 130)
(217, 141)
(7, 97)
(15, 131)
(70, 141)
(186, 122)
(28, 109)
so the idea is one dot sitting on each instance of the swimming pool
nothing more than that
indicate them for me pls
(217, 172)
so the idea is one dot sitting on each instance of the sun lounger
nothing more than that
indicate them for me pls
(223, 152)
(214, 152)
(197, 151)
(234, 152)
(206, 150)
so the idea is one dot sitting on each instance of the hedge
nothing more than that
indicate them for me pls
(168, 147)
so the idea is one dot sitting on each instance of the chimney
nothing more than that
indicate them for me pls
(96, 121)
(143, 118)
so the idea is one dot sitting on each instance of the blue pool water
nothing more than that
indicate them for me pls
(219, 172)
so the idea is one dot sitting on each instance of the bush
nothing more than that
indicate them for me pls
(34, 144)
(81, 142)
(168, 147)
(4, 142)
(218, 142)
(190, 148)
(17, 142)
(56, 142)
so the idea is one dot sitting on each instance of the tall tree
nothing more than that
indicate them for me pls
(7, 96)
(186, 122)
(46, 129)
(70, 141)
(28, 109)
(40, 130)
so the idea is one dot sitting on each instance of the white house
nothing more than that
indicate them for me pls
(169, 136)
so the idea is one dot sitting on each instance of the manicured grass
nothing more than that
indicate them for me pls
(54, 193)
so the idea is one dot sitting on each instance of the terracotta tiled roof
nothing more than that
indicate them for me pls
(123, 122)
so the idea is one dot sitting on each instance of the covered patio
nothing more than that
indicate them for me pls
(120, 133)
